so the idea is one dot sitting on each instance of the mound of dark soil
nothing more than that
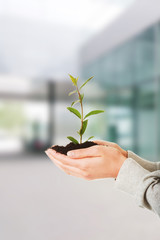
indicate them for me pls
(72, 146)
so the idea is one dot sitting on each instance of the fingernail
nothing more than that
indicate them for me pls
(70, 154)
(46, 152)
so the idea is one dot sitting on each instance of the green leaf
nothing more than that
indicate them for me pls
(75, 111)
(75, 102)
(82, 96)
(93, 113)
(73, 140)
(89, 138)
(86, 82)
(74, 80)
(84, 127)
(72, 92)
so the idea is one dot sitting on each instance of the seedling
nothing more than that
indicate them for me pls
(83, 119)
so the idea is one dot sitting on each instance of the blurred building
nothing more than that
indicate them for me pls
(125, 59)
(32, 113)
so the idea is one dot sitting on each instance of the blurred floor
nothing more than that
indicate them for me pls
(39, 202)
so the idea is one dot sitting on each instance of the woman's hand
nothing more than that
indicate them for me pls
(112, 144)
(90, 163)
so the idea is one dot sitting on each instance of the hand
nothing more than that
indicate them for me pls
(112, 144)
(89, 163)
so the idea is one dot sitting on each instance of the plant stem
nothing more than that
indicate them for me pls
(81, 113)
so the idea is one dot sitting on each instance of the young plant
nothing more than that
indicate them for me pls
(84, 120)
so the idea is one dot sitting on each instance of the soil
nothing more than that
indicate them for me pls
(72, 146)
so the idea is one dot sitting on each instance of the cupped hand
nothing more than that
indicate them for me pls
(112, 144)
(95, 162)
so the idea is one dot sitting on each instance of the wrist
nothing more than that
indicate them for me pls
(121, 160)
(125, 153)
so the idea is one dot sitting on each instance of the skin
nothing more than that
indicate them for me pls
(100, 161)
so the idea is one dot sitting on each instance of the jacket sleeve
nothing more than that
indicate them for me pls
(135, 178)
(148, 165)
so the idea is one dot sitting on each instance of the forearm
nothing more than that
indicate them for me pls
(150, 166)
(142, 184)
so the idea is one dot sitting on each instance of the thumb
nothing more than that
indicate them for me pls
(101, 142)
(93, 151)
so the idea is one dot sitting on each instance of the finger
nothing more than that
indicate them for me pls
(113, 145)
(83, 163)
(69, 170)
(94, 151)
(106, 143)
(101, 142)
(57, 164)
(62, 158)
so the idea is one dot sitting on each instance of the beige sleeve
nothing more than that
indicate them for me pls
(138, 178)
(148, 165)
